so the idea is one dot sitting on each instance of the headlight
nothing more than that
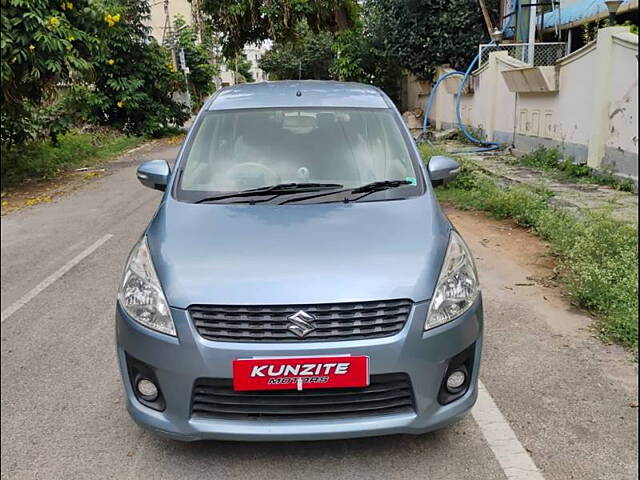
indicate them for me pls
(141, 294)
(457, 286)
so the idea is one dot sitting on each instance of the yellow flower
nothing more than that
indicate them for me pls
(112, 19)
(120, 104)
(32, 47)
(71, 38)
(111, 61)
(54, 22)
(69, 5)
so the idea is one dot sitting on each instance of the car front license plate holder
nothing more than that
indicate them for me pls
(300, 373)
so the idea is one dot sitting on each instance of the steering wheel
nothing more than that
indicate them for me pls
(271, 177)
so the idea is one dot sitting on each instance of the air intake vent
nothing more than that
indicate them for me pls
(386, 394)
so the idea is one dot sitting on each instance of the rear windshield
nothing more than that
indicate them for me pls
(236, 150)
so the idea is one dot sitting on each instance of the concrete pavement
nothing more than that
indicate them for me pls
(567, 398)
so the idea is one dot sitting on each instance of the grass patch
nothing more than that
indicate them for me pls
(43, 160)
(459, 136)
(551, 160)
(598, 255)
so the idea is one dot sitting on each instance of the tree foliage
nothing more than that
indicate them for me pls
(379, 68)
(199, 59)
(253, 21)
(355, 54)
(241, 65)
(308, 55)
(43, 44)
(84, 59)
(422, 34)
(136, 82)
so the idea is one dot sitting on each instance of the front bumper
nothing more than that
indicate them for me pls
(178, 362)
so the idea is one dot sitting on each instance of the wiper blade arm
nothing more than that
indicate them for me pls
(381, 185)
(367, 189)
(291, 186)
(278, 189)
(373, 187)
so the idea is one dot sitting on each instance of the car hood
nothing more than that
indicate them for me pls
(298, 254)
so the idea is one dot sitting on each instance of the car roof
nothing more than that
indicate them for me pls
(301, 93)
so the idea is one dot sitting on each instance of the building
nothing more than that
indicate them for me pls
(165, 12)
(253, 53)
(584, 103)
(558, 80)
(570, 21)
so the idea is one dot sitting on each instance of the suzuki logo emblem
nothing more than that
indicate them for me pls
(302, 325)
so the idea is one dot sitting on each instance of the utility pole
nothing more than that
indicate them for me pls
(197, 18)
(185, 69)
(235, 70)
(167, 34)
(532, 31)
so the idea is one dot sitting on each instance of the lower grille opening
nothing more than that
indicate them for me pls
(386, 394)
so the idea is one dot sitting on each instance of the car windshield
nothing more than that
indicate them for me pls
(237, 150)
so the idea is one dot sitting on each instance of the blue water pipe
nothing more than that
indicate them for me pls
(484, 146)
(433, 94)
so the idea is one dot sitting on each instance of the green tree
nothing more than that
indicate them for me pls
(308, 55)
(422, 34)
(136, 82)
(253, 21)
(354, 54)
(44, 44)
(379, 68)
(242, 66)
(199, 58)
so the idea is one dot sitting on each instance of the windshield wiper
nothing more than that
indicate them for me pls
(381, 185)
(275, 190)
(367, 189)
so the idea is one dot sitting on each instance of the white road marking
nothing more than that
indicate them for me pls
(31, 294)
(511, 455)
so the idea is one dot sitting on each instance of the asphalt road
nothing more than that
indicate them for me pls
(569, 399)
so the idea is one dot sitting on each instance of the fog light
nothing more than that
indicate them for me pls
(456, 380)
(147, 389)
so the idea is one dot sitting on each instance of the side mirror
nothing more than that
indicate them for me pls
(154, 174)
(442, 169)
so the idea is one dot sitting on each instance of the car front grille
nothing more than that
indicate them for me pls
(332, 322)
(386, 394)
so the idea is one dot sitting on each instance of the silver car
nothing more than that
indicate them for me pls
(299, 280)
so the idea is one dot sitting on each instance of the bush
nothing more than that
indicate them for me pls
(598, 255)
(552, 160)
(136, 83)
(44, 44)
(42, 160)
